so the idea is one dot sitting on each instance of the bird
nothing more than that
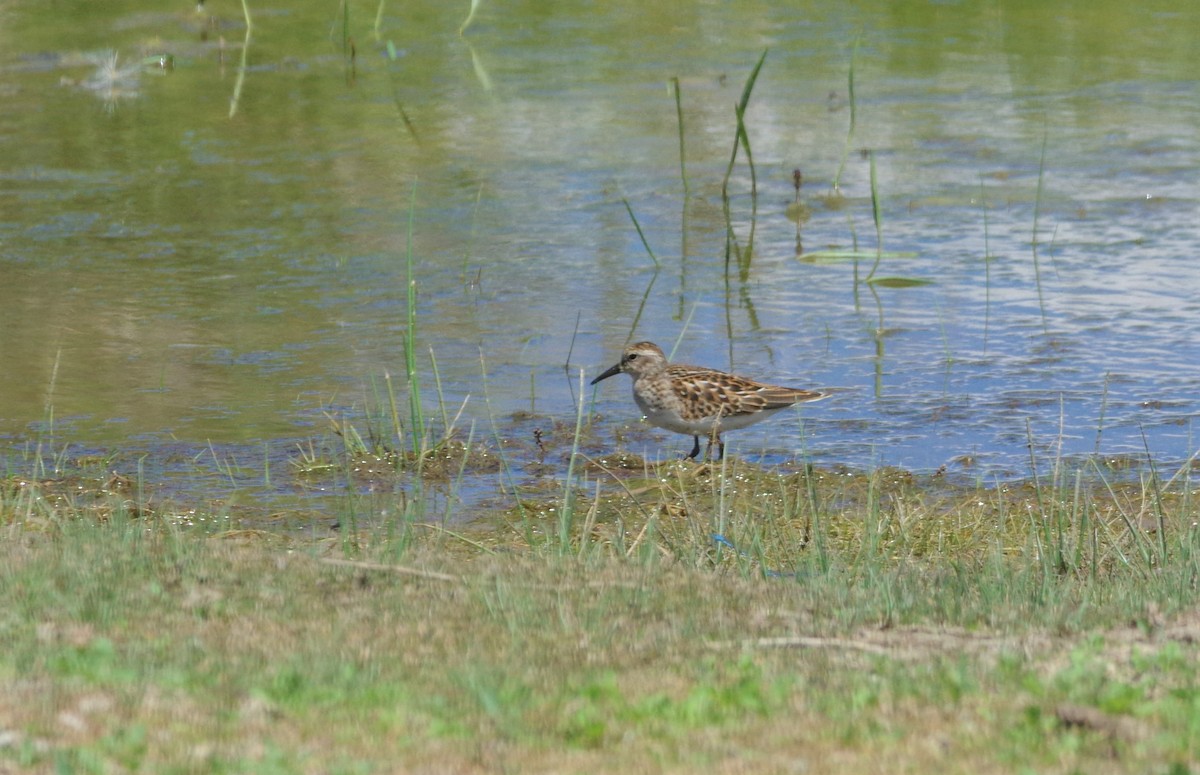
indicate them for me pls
(698, 401)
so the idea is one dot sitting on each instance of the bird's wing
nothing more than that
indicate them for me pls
(700, 386)
(737, 394)
(777, 397)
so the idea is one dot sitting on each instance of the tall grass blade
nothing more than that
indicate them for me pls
(645, 296)
(987, 265)
(740, 138)
(474, 229)
(637, 317)
(378, 19)
(745, 140)
(470, 17)
(571, 351)
(1103, 410)
(748, 88)
(877, 214)
(837, 179)
(739, 134)
(416, 416)
(447, 426)
(241, 76)
(683, 331)
(1037, 207)
(1158, 501)
(744, 256)
(1136, 535)
(640, 233)
(394, 411)
(481, 73)
(566, 512)
(679, 123)
(48, 403)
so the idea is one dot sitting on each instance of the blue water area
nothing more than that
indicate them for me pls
(228, 254)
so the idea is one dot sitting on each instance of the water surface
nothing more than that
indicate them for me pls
(178, 277)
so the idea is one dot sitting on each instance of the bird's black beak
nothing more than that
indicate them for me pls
(614, 370)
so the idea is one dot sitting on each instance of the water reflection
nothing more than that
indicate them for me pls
(112, 81)
(173, 272)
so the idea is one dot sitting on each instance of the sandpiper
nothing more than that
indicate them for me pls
(699, 401)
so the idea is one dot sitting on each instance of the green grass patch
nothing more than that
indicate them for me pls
(841, 619)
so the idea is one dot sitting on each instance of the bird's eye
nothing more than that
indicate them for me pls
(631, 356)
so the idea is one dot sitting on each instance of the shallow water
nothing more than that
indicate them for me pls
(176, 278)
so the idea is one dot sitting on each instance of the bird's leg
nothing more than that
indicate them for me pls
(715, 438)
(695, 448)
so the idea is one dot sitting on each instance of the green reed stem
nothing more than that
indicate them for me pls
(241, 76)
(745, 140)
(571, 344)
(1103, 410)
(474, 229)
(378, 19)
(566, 512)
(462, 466)
(1033, 472)
(470, 16)
(1137, 535)
(1037, 207)
(837, 179)
(748, 88)
(1158, 502)
(679, 123)
(397, 426)
(987, 264)
(641, 234)
(437, 382)
(877, 214)
(416, 417)
(683, 330)
(637, 317)
(739, 136)
(48, 404)
(645, 296)
(1080, 519)
(742, 138)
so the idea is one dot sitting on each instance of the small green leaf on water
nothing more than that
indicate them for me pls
(899, 282)
(833, 256)
(391, 49)
(162, 61)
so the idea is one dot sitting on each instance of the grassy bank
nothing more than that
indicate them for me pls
(838, 621)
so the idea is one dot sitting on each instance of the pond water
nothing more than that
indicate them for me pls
(211, 258)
